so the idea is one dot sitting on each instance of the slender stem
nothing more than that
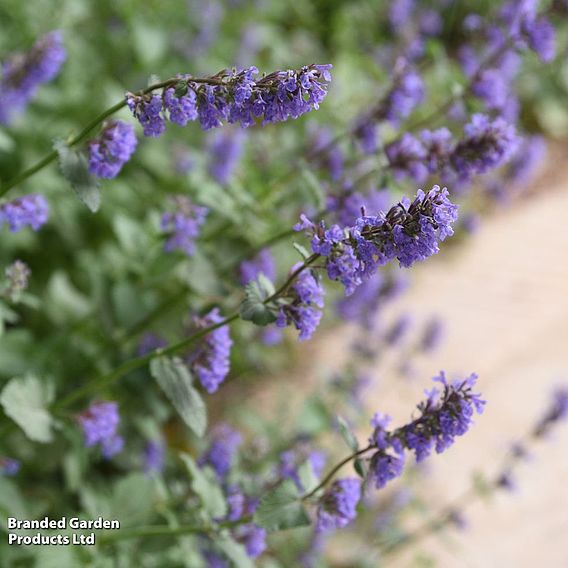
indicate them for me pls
(159, 530)
(102, 381)
(131, 365)
(444, 516)
(52, 156)
(331, 474)
(291, 278)
(149, 318)
(434, 524)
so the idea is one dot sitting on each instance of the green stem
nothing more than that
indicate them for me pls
(441, 519)
(284, 288)
(52, 156)
(102, 381)
(332, 473)
(131, 365)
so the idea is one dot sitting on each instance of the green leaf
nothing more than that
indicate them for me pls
(131, 235)
(307, 476)
(266, 285)
(200, 274)
(253, 307)
(25, 401)
(175, 380)
(204, 484)
(303, 252)
(55, 557)
(12, 502)
(63, 301)
(132, 499)
(314, 417)
(313, 187)
(75, 170)
(347, 434)
(360, 468)
(7, 315)
(282, 509)
(235, 552)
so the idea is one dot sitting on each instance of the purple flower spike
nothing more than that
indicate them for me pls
(148, 110)
(443, 416)
(183, 224)
(263, 263)
(225, 152)
(408, 231)
(23, 74)
(221, 452)
(211, 360)
(337, 507)
(100, 424)
(305, 301)
(111, 149)
(234, 97)
(9, 467)
(154, 457)
(487, 144)
(31, 210)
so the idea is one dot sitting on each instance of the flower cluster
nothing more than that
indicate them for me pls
(262, 263)
(433, 335)
(210, 362)
(183, 224)
(327, 154)
(111, 149)
(31, 210)
(519, 452)
(337, 507)
(407, 91)
(303, 303)
(398, 330)
(557, 411)
(348, 203)
(241, 507)
(17, 275)
(9, 466)
(222, 450)
(487, 144)
(526, 160)
(408, 231)
(252, 537)
(23, 74)
(154, 456)
(443, 416)
(363, 305)
(291, 460)
(100, 424)
(225, 151)
(234, 96)
(523, 22)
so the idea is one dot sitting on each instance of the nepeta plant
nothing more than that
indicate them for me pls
(182, 289)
